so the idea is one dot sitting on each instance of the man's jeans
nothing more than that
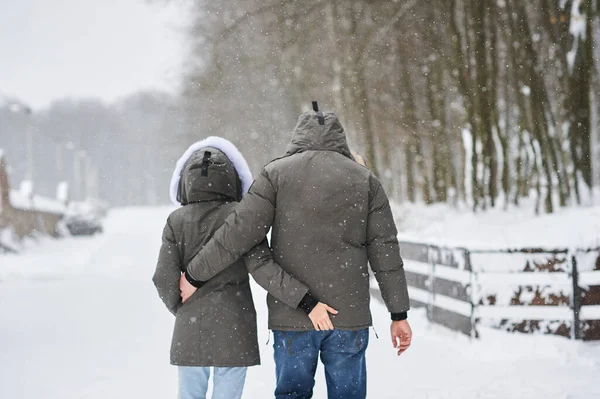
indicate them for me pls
(228, 382)
(342, 353)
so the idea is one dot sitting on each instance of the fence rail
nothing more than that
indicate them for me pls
(527, 290)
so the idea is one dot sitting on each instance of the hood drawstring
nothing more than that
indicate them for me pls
(320, 116)
(375, 331)
(205, 163)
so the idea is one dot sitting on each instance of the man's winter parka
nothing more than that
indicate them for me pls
(330, 218)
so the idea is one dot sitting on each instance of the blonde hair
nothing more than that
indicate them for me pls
(359, 159)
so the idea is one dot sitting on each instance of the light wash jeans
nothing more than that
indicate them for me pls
(228, 382)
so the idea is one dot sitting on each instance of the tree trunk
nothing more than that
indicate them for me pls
(578, 103)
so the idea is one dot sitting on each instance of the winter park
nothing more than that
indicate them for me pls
(295, 199)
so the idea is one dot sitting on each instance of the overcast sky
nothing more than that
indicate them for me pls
(88, 48)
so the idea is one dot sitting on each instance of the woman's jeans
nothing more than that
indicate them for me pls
(342, 353)
(228, 382)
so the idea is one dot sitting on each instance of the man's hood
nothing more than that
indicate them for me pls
(309, 134)
(210, 169)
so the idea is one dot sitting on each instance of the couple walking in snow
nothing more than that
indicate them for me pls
(330, 219)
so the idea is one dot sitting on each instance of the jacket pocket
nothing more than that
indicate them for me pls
(183, 307)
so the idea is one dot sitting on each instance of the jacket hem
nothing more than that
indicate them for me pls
(215, 364)
(338, 327)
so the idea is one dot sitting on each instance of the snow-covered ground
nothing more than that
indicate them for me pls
(79, 318)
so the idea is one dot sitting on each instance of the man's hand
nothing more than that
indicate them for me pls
(401, 335)
(186, 289)
(320, 317)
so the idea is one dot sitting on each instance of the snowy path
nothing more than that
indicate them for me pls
(79, 318)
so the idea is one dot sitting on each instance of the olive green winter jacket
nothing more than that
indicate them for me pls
(217, 325)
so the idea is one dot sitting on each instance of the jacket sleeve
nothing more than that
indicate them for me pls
(269, 275)
(384, 253)
(168, 270)
(243, 229)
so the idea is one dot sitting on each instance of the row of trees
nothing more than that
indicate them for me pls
(480, 101)
(484, 102)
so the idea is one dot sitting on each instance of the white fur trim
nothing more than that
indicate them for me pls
(227, 148)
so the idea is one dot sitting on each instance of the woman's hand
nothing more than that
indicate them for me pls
(320, 317)
(185, 288)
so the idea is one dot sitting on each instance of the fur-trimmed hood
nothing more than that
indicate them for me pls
(210, 169)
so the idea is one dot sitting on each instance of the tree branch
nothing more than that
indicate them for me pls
(266, 8)
(374, 36)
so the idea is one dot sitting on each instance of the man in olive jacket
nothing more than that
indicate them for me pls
(330, 217)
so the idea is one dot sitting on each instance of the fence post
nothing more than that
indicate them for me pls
(472, 293)
(576, 300)
(432, 261)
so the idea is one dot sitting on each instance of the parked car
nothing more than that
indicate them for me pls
(83, 225)
(84, 218)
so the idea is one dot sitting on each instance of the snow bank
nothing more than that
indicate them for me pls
(516, 228)
(8, 240)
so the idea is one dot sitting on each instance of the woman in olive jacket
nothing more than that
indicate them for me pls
(216, 326)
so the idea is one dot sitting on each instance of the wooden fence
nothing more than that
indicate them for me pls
(527, 290)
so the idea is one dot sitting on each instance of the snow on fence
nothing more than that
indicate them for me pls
(527, 290)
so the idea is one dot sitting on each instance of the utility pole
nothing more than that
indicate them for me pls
(86, 178)
(59, 166)
(26, 110)
(29, 141)
(77, 176)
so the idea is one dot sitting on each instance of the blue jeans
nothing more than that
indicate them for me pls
(228, 382)
(342, 353)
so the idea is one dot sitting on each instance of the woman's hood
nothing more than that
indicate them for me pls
(210, 169)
